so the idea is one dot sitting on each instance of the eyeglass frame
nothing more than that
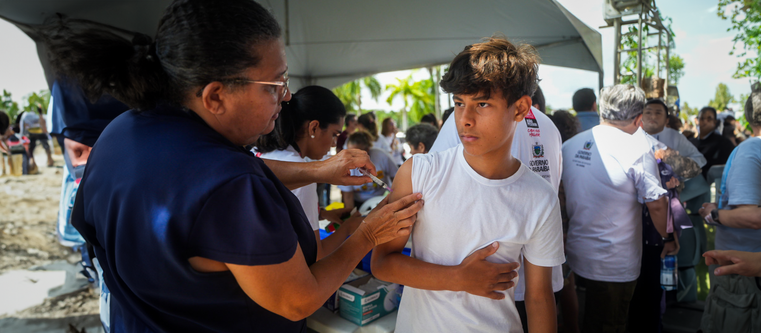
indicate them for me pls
(285, 84)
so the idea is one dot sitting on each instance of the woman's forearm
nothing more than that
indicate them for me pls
(294, 174)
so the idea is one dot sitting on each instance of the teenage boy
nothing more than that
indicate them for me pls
(480, 200)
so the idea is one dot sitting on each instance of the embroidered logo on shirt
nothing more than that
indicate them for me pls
(588, 145)
(538, 150)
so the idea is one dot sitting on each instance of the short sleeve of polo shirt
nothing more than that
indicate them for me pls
(644, 172)
(244, 222)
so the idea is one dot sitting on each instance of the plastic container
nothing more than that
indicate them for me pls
(669, 273)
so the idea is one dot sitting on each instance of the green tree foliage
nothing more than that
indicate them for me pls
(8, 105)
(417, 97)
(351, 93)
(35, 99)
(721, 98)
(745, 16)
(676, 69)
(686, 112)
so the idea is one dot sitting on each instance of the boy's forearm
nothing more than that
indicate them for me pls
(540, 310)
(408, 271)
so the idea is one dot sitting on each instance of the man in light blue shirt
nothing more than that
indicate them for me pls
(738, 227)
(585, 105)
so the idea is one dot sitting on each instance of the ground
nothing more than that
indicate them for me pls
(28, 214)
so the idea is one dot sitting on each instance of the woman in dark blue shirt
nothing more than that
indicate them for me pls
(192, 231)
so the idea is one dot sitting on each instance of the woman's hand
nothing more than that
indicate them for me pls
(389, 221)
(337, 169)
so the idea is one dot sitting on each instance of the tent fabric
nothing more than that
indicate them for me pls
(330, 42)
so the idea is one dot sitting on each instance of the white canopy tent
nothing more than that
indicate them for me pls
(330, 42)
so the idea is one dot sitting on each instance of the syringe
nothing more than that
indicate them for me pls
(375, 179)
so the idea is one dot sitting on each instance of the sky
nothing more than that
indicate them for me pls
(701, 39)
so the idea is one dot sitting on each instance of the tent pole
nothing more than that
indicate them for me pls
(639, 52)
(616, 53)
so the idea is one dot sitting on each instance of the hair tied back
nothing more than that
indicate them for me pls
(144, 47)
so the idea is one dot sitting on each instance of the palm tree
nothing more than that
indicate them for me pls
(351, 93)
(417, 97)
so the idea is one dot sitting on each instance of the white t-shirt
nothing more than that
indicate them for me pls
(307, 194)
(382, 144)
(30, 123)
(608, 175)
(396, 152)
(537, 144)
(465, 212)
(385, 168)
(677, 141)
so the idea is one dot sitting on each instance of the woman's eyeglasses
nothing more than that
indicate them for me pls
(284, 84)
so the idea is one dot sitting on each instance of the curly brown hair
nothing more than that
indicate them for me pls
(494, 64)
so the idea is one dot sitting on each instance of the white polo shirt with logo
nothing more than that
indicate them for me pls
(607, 175)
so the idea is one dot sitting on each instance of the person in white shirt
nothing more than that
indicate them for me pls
(388, 132)
(537, 144)
(366, 122)
(481, 203)
(307, 127)
(609, 171)
(654, 119)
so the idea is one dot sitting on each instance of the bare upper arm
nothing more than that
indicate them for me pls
(538, 278)
(401, 187)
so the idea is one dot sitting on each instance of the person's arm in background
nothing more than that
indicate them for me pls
(741, 216)
(335, 170)
(539, 298)
(734, 262)
(474, 275)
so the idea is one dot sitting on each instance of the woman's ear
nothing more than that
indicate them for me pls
(312, 128)
(214, 98)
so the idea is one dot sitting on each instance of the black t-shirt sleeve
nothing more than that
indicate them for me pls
(244, 222)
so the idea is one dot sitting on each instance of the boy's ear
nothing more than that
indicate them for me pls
(522, 107)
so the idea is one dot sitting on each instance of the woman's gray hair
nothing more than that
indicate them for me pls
(621, 102)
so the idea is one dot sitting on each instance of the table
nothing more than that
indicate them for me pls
(324, 321)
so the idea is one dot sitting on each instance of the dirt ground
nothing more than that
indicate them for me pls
(28, 214)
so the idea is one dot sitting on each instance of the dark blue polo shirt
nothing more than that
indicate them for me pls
(160, 187)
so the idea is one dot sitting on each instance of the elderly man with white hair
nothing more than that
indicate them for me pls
(609, 171)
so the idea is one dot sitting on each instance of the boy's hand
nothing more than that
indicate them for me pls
(479, 277)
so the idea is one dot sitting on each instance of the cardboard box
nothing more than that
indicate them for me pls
(366, 299)
(332, 303)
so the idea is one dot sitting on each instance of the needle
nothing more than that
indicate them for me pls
(375, 179)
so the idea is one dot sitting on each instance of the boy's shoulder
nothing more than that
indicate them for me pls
(434, 160)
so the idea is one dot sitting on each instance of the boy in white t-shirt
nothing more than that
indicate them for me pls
(483, 210)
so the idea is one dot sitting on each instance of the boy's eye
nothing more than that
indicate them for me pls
(458, 104)
(483, 105)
